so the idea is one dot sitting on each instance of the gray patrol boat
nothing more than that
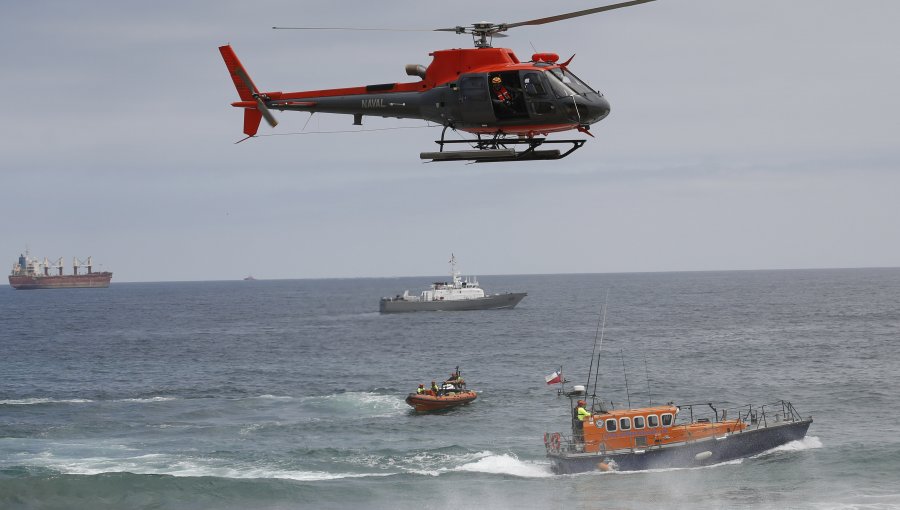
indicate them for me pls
(459, 294)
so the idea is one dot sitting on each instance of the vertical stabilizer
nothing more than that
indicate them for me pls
(247, 91)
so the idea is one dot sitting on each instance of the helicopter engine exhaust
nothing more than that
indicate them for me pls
(415, 70)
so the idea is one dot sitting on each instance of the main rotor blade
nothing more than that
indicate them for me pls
(468, 30)
(560, 17)
(366, 29)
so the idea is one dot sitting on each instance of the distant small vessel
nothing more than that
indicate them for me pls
(31, 273)
(452, 393)
(249, 278)
(458, 294)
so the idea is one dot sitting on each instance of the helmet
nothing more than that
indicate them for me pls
(421, 386)
(496, 79)
(582, 402)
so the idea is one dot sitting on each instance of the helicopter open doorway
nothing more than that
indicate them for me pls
(507, 97)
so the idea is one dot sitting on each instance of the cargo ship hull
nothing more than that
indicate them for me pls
(81, 281)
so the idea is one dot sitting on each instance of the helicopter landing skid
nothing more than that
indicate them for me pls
(496, 150)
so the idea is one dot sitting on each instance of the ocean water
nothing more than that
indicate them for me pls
(289, 394)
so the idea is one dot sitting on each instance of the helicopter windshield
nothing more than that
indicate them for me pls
(570, 84)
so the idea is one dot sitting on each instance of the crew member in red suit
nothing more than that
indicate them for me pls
(500, 92)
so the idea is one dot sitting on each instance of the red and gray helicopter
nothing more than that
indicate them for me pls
(506, 103)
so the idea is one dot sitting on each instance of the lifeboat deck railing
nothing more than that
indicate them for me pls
(755, 416)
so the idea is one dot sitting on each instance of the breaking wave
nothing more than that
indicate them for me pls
(38, 401)
(507, 464)
(370, 404)
(161, 464)
(807, 443)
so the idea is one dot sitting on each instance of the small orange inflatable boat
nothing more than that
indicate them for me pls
(428, 401)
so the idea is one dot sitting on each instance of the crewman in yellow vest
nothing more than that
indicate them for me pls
(580, 414)
(420, 390)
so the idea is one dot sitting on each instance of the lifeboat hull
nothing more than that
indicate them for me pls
(425, 403)
(713, 450)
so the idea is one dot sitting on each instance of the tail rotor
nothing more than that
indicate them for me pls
(259, 97)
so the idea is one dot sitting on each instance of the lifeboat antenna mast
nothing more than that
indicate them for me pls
(601, 328)
(625, 373)
(647, 375)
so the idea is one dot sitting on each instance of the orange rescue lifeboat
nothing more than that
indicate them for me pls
(665, 436)
(428, 401)
(452, 393)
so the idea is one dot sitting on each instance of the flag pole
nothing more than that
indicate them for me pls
(562, 383)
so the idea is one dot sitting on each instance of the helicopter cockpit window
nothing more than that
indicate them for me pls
(570, 81)
(534, 87)
(474, 88)
(558, 87)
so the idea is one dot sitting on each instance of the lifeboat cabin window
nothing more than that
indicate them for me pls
(638, 422)
(653, 421)
(625, 423)
(667, 420)
(611, 425)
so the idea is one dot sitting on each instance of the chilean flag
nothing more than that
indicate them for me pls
(554, 378)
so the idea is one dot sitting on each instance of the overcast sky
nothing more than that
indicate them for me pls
(743, 135)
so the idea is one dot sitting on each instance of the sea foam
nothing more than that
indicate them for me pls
(807, 443)
(37, 401)
(506, 464)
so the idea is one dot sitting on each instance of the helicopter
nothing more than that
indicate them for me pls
(484, 91)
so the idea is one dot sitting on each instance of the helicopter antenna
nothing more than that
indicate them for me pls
(307, 121)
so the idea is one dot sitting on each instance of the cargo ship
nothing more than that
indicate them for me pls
(32, 273)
